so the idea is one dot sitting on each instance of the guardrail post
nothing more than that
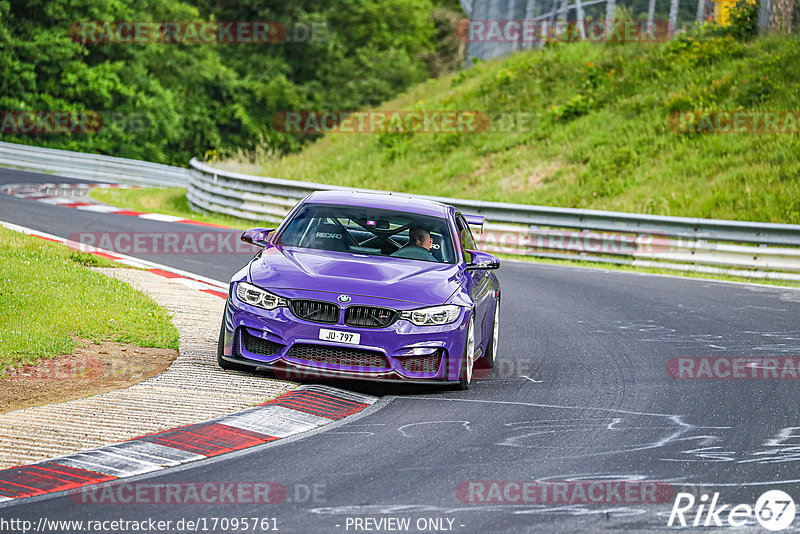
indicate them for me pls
(651, 12)
(673, 17)
(611, 15)
(764, 15)
(701, 9)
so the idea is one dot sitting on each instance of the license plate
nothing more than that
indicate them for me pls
(350, 338)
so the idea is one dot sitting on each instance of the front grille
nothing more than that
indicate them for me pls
(422, 364)
(316, 311)
(369, 316)
(339, 356)
(256, 345)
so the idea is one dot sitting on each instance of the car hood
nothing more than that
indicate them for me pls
(297, 271)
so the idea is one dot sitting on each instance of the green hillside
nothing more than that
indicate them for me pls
(597, 133)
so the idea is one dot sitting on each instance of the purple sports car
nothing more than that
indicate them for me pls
(366, 286)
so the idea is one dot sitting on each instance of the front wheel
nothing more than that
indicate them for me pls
(465, 376)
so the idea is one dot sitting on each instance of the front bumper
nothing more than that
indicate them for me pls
(280, 341)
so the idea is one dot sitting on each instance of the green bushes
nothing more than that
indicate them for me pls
(577, 106)
(171, 102)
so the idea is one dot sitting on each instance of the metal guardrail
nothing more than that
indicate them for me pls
(754, 250)
(749, 249)
(91, 166)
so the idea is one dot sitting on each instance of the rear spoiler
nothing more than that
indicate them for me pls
(475, 220)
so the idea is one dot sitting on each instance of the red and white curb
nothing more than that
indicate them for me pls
(300, 410)
(194, 281)
(64, 195)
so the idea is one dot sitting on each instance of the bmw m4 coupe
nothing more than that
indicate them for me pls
(358, 285)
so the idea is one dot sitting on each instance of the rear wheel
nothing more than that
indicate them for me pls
(467, 358)
(491, 348)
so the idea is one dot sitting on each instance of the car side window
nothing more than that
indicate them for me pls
(465, 235)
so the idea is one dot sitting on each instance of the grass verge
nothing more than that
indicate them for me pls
(167, 201)
(49, 297)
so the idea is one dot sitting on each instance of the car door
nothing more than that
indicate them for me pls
(478, 283)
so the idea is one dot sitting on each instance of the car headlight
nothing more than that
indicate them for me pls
(432, 316)
(255, 296)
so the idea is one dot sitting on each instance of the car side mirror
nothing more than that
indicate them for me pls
(257, 236)
(481, 261)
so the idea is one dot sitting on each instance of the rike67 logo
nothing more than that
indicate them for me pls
(774, 510)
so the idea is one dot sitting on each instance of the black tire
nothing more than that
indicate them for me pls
(465, 374)
(490, 357)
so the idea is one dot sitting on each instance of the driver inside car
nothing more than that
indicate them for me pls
(418, 247)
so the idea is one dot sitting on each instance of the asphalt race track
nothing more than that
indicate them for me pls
(582, 392)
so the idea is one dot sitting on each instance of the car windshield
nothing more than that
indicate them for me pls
(369, 231)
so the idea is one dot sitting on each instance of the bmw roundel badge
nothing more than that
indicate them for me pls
(344, 299)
